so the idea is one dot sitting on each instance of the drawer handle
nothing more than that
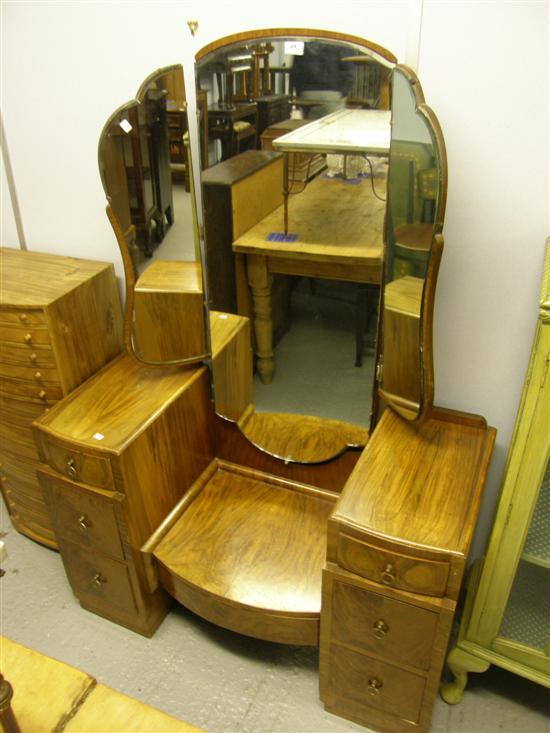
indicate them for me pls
(23, 317)
(98, 579)
(71, 469)
(84, 522)
(28, 338)
(380, 629)
(388, 575)
(33, 356)
(374, 686)
(38, 376)
(42, 395)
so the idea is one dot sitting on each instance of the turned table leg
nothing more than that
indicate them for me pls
(8, 723)
(260, 281)
(460, 663)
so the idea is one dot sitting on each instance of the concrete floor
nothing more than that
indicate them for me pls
(213, 678)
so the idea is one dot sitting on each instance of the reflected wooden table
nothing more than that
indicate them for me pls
(335, 232)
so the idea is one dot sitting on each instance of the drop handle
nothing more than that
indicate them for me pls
(98, 579)
(374, 685)
(84, 522)
(71, 469)
(380, 628)
(388, 575)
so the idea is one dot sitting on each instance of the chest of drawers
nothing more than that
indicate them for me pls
(60, 321)
(118, 453)
(397, 547)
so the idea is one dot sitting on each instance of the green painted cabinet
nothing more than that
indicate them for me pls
(507, 614)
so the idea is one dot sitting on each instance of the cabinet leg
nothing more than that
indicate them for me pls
(461, 663)
(260, 281)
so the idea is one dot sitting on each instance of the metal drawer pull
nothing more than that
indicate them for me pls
(374, 686)
(388, 576)
(380, 629)
(84, 522)
(71, 469)
(98, 579)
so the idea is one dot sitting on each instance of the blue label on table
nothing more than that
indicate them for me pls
(280, 237)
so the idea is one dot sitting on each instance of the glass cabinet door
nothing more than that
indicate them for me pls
(525, 627)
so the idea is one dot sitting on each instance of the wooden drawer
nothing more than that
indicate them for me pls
(75, 464)
(85, 516)
(22, 317)
(97, 579)
(369, 682)
(371, 622)
(37, 392)
(24, 336)
(17, 443)
(27, 355)
(417, 575)
(16, 468)
(29, 372)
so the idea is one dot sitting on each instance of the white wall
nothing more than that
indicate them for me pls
(484, 68)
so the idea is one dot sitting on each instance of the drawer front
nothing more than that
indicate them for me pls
(76, 465)
(29, 373)
(22, 317)
(27, 355)
(84, 516)
(23, 335)
(37, 391)
(428, 577)
(96, 578)
(371, 622)
(368, 682)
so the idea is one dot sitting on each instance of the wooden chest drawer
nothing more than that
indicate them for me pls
(24, 335)
(37, 392)
(75, 464)
(399, 632)
(29, 372)
(29, 355)
(417, 575)
(96, 578)
(371, 683)
(88, 517)
(22, 317)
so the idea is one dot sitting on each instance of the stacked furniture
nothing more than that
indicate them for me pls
(60, 321)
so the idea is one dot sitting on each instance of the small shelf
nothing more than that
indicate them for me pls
(247, 553)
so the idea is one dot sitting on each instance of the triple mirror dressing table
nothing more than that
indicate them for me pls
(166, 479)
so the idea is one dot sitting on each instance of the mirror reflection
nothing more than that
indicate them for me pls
(294, 204)
(415, 213)
(147, 175)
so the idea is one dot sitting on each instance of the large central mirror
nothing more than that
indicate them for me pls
(323, 180)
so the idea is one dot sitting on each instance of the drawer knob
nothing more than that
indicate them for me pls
(388, 575)
(42, 394)
(374, 686)
(38, 376)
(71, 469)
(84, 522)
(27, 338)
(23, 317)
(380, 629)
(33, 356)
(98, 579)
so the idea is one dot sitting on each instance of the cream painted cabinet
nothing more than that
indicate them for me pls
(507, 615)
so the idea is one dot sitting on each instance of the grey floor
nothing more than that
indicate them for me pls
(213, 678)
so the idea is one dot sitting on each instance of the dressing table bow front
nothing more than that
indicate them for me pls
(281, 524)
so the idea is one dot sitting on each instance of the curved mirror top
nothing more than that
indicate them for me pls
(146, 172)
(416, 206)
(293, 190)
